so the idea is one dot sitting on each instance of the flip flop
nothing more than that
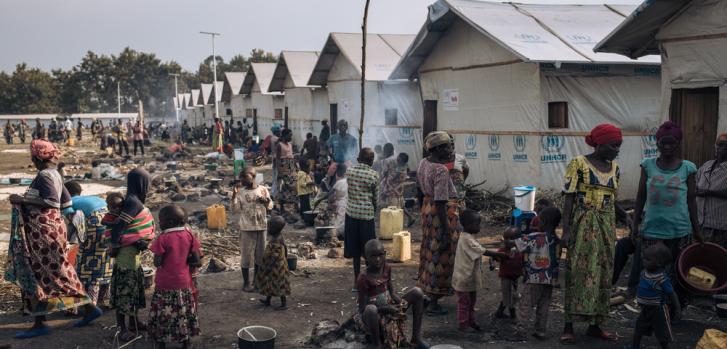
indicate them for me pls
(567, 339)
(95, 314)
(607, 336)
(40, 331)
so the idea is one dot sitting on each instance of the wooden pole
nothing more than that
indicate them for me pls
(363, 75)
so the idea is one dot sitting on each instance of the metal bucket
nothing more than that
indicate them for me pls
(256, 337)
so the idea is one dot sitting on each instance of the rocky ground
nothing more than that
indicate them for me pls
(321, 286)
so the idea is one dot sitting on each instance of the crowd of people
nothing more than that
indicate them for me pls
(677, 204)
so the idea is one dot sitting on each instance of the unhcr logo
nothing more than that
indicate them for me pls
(649, 146)
(470, 144)
(406, 136)
(494, 154)
(552, 146)
(520, 143)
(529, 38)
(580, 39)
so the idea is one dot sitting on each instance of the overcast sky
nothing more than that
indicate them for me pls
(56, 34)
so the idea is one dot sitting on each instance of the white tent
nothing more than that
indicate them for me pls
(393, 107)
(231, 94)
(264, 107)
(519, 86)
(691, 36)
(305, 105)
(218, 98)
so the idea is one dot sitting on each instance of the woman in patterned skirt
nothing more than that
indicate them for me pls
(37, 248)
(287, 175)
(440, 221)
(589, 232)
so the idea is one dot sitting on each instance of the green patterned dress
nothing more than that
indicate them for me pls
(272, 279)
(589, 263)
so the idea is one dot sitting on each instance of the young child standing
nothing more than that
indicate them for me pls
(272, 279)
(173, 310)
(381, 312)
(253, 201)
(306, 186)
(541, 267)
(511, 268)
(468, 270)
(654, 290)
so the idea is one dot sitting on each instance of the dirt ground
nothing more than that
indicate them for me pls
(322, 290)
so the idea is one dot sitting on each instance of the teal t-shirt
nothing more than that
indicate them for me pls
(666, 212)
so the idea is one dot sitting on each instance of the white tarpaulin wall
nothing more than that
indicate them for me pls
(402, 96)
(306, 108)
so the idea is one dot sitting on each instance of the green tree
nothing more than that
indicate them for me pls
(32, 91)
(238, 63)
(258, 55)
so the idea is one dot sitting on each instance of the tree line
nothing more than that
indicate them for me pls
(91, 85)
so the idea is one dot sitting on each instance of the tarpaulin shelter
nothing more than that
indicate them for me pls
(231, 96)
(519, 87)
(305, 105)
(263, 107)
(691, 36)
(194, 108)
(393, 107)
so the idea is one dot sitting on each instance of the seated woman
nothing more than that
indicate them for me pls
(381, 312)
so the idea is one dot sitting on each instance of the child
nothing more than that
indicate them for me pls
(272, 279)
(173, 310)
(95, 169)
(541, 267)
(306, 186)
(541, 204)
(511, 268)
(468, 269)
(254, 203)
(654, 288)
(381, 312)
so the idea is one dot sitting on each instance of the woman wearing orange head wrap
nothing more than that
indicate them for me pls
(589, 232)
(37, 249)
(712, 194)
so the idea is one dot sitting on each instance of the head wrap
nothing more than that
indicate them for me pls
(275, 128)
(604, 134)
(436, 138)
(44, 150)
(721, 138)
(137, 184)
(669, 129)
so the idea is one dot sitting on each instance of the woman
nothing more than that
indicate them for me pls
(589, 232)
(712, 195)
(217, 136)
(669, 205)
(94, 263)
(37, 249)
(440, 221)
(287, 173)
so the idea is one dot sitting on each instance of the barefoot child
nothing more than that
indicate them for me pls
(272, 280)
(654, 291)
(541, 267)
(173, 310)
(254, 203)
(381, 312)
(468, 270)
(511, 268)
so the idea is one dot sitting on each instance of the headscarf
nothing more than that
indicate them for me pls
(436, 138)
(669, 129)
(275, 128)
(44, 150)
(604, 134)
(137, 185)
(721, 138)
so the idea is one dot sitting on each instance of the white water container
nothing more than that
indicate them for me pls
(525, 197)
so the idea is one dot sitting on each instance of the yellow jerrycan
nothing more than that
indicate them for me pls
(701, 277)
(401, 250)
(391, 222)
(216, 217)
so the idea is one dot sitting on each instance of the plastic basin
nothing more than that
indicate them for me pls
(710, 258)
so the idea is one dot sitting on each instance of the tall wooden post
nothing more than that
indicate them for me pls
(363, 75)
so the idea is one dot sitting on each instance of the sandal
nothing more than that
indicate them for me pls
(97, 312)
(607, 336)
(567, 339)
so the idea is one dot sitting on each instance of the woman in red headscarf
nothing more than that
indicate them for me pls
(37, 249)
(589, 232)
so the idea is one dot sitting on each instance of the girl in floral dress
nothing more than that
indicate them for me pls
(173, 310)
(272, 280)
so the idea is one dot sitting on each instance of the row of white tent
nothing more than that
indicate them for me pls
(517, 85)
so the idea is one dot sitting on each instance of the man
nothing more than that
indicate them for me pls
(386, 154)
(185, 131)
(122, 137)
(342, 148)
(310, 150)
(325, 132)
(40, 131)
(712, 194)
(363, 187)
(22, 128)
(68, 129)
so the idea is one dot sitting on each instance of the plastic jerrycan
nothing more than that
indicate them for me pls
(216, 217)
(401, 250)
(391, 222)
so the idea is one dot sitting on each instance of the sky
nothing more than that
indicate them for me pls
(56, 34)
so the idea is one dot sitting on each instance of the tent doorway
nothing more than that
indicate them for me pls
(334, 117)
(254, 121)
(430, 118)
(696, 111)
